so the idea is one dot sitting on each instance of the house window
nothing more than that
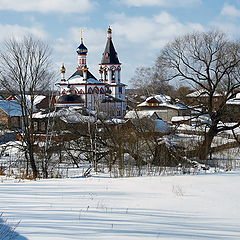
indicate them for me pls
(42, 126)
(35, 126)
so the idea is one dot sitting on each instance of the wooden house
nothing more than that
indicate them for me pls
(10, 114)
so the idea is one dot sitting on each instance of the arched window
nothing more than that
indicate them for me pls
(90, 91)
(81, 91)
(108, 90)
(96, 90)
(113, 77)
(105, 74)
(102, 91)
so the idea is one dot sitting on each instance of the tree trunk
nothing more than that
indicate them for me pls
(32, 161)
(205, 147)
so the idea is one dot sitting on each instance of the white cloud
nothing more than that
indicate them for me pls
(44, 6)
(230, 28)
(230, 10)
(164, 18)
(94, 38)
(228, 21)
(153, 32)
(136, 39)
(160, 3)
(18, 31)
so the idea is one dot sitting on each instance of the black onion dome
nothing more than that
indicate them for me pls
(82, 49)
(70, 98)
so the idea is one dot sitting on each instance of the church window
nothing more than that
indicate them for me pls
(108, 90)
(96, 90)
(113, 76)
(105, 75)
(102, 91)
(90, 91)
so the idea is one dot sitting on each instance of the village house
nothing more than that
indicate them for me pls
(162, 106)
(200, 98)
(232, 109)
(10, 114)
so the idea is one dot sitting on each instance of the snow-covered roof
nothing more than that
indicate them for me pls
(204, 118)
(117, 84)
(140, 114)
(163, 98)
(180, 118)
(235, 101)
(164, 101)
(75, 117)
(77, 79)
(68, 115)
(238, 95)
(115, 121)
(11, 108)
(41, 115)
(202, 93)
(177, 106)
(36, 100)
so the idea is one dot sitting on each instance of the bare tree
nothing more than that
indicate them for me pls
(210, 63)
(151, 80)
(25, 72)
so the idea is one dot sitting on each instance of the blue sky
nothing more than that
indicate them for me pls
(140, 27)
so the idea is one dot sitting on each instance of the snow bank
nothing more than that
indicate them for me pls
(176, 207)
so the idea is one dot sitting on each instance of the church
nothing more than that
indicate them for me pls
(105, 94)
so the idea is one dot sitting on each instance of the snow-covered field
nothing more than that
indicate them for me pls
(164, 207)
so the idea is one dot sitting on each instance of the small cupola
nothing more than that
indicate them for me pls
(109, 32)
(82, 49)
(63, 69)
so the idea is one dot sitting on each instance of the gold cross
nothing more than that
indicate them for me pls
(81, 34)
